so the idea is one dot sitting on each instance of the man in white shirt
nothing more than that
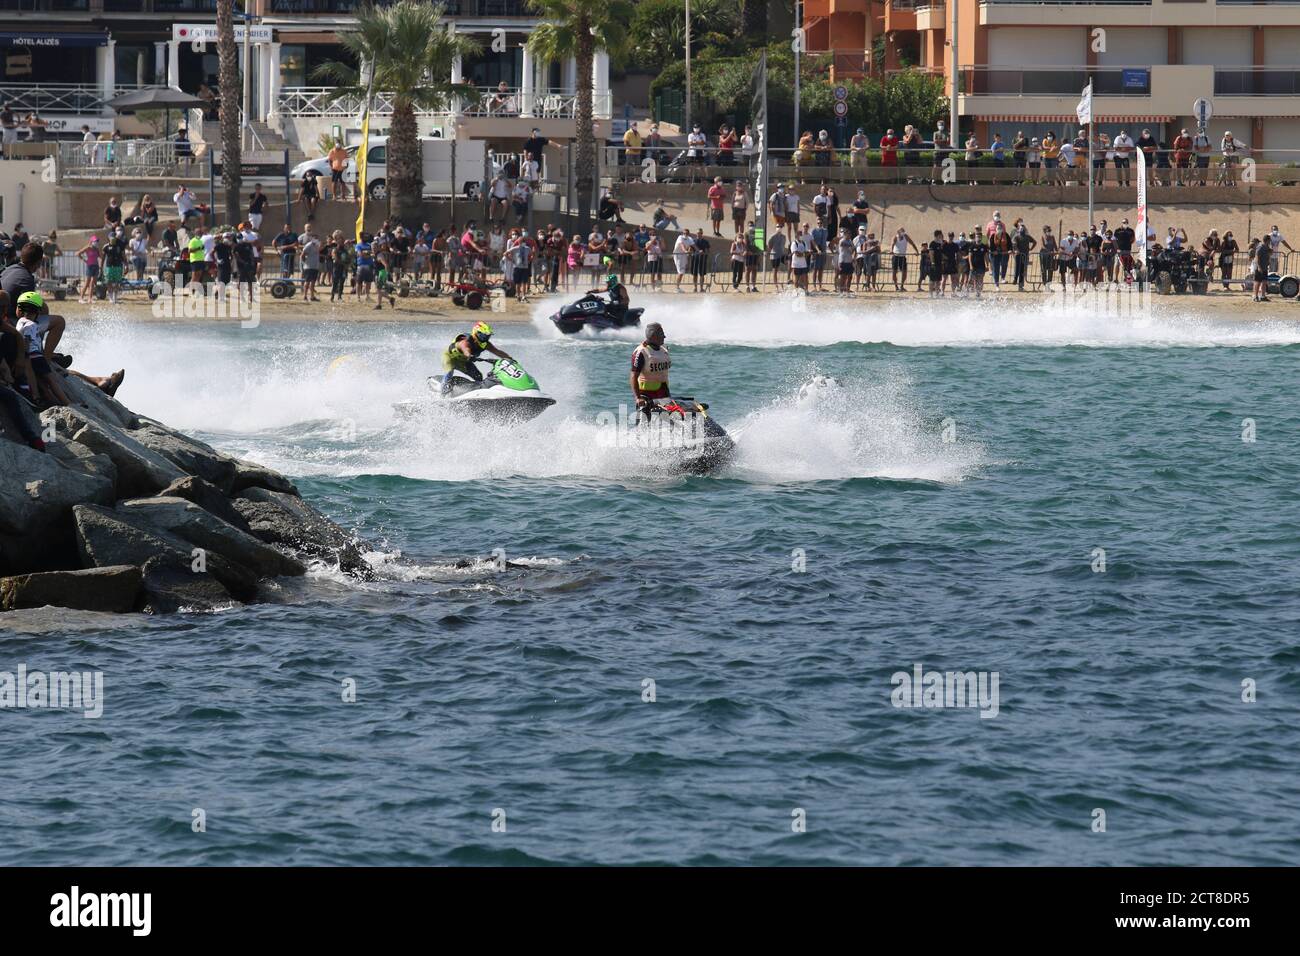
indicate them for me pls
(1275, 244)
(858, 147)
(1066, 169)
(254, 240)
(1123, 146)
(186, 207)
(500, 192)
(1201, 147)
(1230, 147)
(791, 209)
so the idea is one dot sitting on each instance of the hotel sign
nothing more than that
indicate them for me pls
(207, 33)
(36, 40)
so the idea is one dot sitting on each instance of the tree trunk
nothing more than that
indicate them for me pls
(585, 162)
(405, 170)
(231, 91)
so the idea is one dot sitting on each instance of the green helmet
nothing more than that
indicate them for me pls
(32, 300)
(611, 280)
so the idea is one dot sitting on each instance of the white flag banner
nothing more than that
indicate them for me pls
(1084, 109)
(1140, 239)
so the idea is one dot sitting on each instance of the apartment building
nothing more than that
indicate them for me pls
(1023, 63)
(71, 57)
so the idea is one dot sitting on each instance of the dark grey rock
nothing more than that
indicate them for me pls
(279, 518)
(190, 455)
(207, 497)
(190, 522)
(113, 589)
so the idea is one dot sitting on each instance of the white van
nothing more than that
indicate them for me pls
(435, 154)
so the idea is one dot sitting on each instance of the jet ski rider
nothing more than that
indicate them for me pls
(618, 297)
(464, 349)
(650, 365)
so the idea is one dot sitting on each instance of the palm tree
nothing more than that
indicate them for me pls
(229, 87)
(578, 29)
(406, 51)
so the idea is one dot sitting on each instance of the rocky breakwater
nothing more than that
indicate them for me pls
(121, 513)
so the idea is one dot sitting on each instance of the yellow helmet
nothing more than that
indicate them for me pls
(482, 332)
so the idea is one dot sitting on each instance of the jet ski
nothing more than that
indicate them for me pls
(592, 312)
(506, 393)
(689, 438)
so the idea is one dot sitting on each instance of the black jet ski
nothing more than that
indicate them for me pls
(690, 439)
(592, 312)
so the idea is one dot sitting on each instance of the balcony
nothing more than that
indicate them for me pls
(324, 101)
(931, 15)
(1055, 81)
(454, 8)
(51, 99)
(44, 6)
(1259, 81)
(901, 14)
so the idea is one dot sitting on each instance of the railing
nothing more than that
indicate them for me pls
(45, 6)
(1055, 81)
(325, 101)
(1259, 81)
(454, 8)
(845, 61)
(60, 97)
(126, 158)
(923, 167)
(1090, 3)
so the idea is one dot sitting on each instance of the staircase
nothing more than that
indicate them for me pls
(264, 139)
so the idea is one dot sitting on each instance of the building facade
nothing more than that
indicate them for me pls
(1023, 63)
(71, 57)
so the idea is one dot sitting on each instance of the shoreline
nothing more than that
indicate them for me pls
(1235, 305)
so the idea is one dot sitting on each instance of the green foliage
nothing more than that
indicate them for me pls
(722, 87)
(658, 31)
(412, 51)
(557, 37)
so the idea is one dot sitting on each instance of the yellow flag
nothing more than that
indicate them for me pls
(362, 150)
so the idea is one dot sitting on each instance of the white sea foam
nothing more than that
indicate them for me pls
(1031, 319)
(318, 400)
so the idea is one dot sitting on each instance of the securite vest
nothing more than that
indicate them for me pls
(653, 376)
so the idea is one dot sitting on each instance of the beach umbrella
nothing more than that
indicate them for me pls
(165, 98)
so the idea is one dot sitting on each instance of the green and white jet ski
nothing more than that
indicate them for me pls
(506, 393)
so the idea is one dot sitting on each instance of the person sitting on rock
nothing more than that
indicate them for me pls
(33, 322)
(20, 278)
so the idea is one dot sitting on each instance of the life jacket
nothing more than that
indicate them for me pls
(653, 376)
(457, 355)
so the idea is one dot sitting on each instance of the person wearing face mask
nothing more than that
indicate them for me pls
(696, 146)
(861, 209)
(1228, 250)
(858, 147)
(941, 144)
(1275, 245)
(823, 149)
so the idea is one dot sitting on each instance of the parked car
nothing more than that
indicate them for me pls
(436, 153)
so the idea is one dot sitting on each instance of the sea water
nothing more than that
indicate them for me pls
(566, 657)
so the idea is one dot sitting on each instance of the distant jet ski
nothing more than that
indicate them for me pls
(506, 393)
(818, 389)
(592, 312)
(683, 434)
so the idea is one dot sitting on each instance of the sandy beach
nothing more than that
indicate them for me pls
(1234, 305)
